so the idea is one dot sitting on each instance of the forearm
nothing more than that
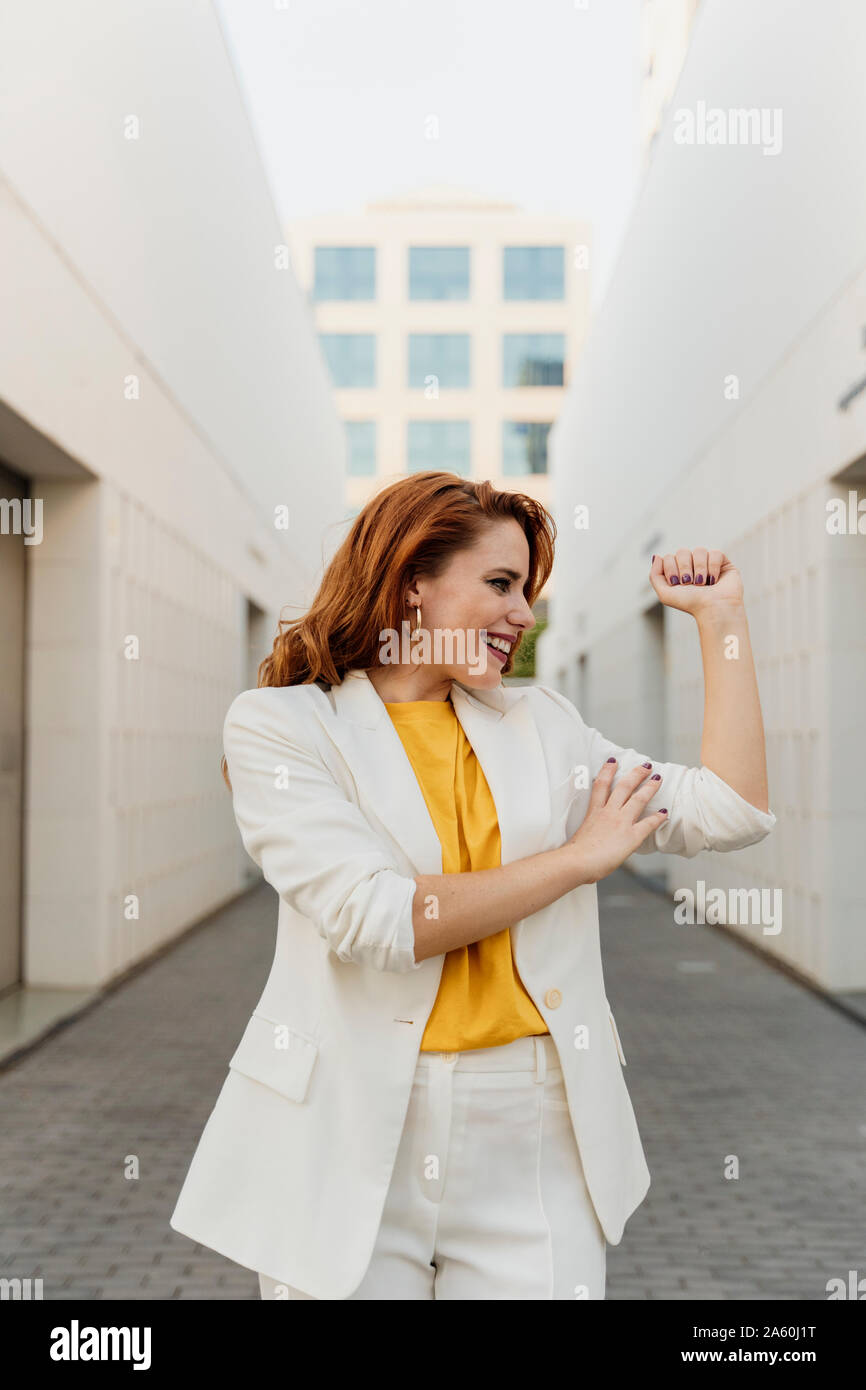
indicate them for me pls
(451, 910)
(732, 745)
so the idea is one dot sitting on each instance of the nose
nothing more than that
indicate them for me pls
(523, 617)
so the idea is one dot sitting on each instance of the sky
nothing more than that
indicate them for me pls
(535, 101)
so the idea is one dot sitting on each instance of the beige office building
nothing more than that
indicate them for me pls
(450, 323)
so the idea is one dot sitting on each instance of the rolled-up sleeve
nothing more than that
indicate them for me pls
(313, 844)
(704, 812)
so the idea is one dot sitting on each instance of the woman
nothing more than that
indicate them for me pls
(428, 1100)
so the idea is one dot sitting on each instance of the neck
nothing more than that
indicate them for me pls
(394, 685)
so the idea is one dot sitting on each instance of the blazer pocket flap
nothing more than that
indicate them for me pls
(276, 1055)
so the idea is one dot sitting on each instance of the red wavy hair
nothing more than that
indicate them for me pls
(411, 527)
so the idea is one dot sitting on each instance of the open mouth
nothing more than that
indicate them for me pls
(499, 652)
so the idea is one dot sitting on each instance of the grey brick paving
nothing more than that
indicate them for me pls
(738, 1060)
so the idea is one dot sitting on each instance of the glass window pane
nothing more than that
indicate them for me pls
(438, 272)
(533, 359)
(524, 447)
(439, 444)
(533, 272)
(345, 272)
(361, 436)
(351, 358)
(444, 356)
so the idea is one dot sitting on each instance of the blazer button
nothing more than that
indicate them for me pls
(553, 998)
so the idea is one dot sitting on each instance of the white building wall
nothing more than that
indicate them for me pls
(162, 393)
(739, 264)
(665, 34)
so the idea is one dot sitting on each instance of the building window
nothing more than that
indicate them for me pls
(345, 272)
(439, 444)
(533, 272)
(361, 437)
(524, 447)
(438, 272)
(351, 358)
(533, 359)
(444, 356)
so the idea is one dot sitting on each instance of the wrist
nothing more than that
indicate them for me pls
(721, 615)
(568, 862)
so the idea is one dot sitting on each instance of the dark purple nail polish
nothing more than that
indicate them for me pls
(611, 760)
(646, 764)
(699, 579)
(656, 777)
(687, 579)
(664, 810)
(712, 579)
(673, 579)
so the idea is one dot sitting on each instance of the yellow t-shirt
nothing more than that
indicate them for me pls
(482, 1001)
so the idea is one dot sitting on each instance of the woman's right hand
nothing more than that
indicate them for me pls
(610, 832)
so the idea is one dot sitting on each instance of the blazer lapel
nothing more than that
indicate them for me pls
(502, 732)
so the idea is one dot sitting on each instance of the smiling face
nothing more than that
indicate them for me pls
(480, 589)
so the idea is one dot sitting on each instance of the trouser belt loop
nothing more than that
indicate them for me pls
(540, 1060)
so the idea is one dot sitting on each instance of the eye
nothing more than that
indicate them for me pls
(506, 582)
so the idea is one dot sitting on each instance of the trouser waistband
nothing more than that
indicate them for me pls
(537, 1053)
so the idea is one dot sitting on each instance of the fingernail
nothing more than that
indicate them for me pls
(712, 579)
(611, 760)
(664, 810)
(687, 579)
(699, 579)
(646, 764)
(652, 561)
(656, 777)
(673, 579)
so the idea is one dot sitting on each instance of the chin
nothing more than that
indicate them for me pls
(489, 679)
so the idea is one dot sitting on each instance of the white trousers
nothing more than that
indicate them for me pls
(487, 1199)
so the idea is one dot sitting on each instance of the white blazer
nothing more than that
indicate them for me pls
(290, 1174)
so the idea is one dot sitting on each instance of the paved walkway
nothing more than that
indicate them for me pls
(729, 1056)
(725, 1056)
